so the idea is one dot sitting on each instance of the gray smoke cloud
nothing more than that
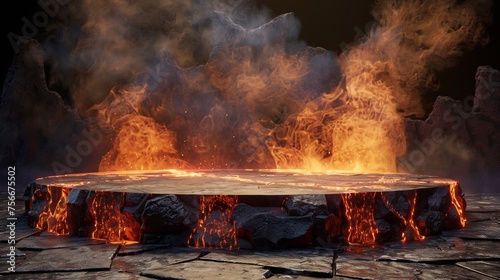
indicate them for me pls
(96, 45)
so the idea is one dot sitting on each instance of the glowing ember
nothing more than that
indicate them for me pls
(215, 227)
(54, 217)
(361, 226)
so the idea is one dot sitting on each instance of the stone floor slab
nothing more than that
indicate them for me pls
(82, 258)
(134, 249)
(485, 229)
(209, 270)
(482, 202)
(451, 250)
(156, 259)
(56, 242)
(487, 268)
(362, 269)
(317, 261)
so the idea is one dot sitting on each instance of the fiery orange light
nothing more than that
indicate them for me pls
(215, 227)
(458, 202)
(54, 217)
(361, 228)
(407, 221)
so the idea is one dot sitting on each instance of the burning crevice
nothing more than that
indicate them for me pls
(362, 228)
(215, 228)
(54, 218)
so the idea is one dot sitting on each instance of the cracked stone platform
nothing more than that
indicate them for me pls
(468, 253)
(296, 207)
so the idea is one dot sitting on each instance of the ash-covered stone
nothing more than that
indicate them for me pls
(166, 214)
(135, 203)
(192, 201)
(301, 205)
(77, 197)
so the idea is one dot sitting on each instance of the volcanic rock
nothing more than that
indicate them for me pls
(440, 200)
(40, 134)
(274, 231)
(301, 205)
(487, 97)
(242, 212)
(391, 204)
(263, 201)
(430, 222)
(165, 214)
(459, 140)
(76, 203)
(39, 202)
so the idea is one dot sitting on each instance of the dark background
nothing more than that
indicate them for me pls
(326, 24)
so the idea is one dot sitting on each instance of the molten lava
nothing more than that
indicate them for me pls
(215, 227)
(359, 212)
(105, 216)
(54, 217)
(410, 230)
(458, 202)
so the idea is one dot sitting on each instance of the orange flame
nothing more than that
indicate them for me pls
(141, 143)
(257, 107)
(54, 217)
(361, 222)
(215, 228)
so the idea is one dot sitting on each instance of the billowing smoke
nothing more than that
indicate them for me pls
(220, 84)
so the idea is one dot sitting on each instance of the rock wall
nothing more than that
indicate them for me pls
(460, 139)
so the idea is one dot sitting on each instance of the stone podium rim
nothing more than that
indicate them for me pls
(244, 182)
